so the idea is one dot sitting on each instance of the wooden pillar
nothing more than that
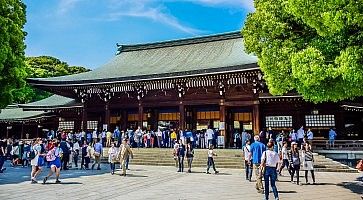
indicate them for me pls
(124, 120)
(106, 120)
(22, 130)
(84, 117)
(182, 116)
(141, 115)
(256, 119)
(222, 118)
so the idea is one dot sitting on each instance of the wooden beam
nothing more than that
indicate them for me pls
(106, 120)
(141, 115)
(222, 119)
(182, 116)
(256, 118)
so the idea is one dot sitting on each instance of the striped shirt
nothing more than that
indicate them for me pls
(308, 156)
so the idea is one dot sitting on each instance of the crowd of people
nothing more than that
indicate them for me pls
(268, 153)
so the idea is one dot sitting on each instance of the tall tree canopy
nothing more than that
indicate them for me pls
(12, 66)
(312, 47)
(43, 67)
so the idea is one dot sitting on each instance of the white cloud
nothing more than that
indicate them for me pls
(246, 4)
(149, 9)
(66, 5)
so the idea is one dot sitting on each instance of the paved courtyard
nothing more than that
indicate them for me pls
(150, 182)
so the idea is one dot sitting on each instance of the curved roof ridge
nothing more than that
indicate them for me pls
(178, 42)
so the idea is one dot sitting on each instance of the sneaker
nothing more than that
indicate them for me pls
(208, 172)
(33, 181)
(216, 172)
(98, 168)
(45, 180)
(57, 181)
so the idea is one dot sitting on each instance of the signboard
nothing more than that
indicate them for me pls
(278, 121)
(221, 126)
(236, 125)
(220, 141)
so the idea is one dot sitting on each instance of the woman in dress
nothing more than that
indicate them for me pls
(38, 161)
(308, 160)
(54, 159)
(294, 159)
(190, 155)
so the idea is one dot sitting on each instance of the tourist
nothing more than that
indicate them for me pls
(15, 151)
(236, 139)
(308, 162)
(300, 136)
(190, 156)
(117, 134)
(255, 155)
(112, 156)
(181, 154)
(263, 136)
(139, 137)
(76, 149)
(37, 159)
(270, 160)
(173, 137)
(210, 162)
(271, 134)
(2, 155)
(64, 145)
(310, 137)
(83, 136)
(54, 159)
(175, 153)
(26, 151)
(98, 151)
(248, 163)
(294, 160)
(332, 136)
(109, 138)
(245, 137)
(209, 134)
(152, 139)
(94, 137)
(124, 152)
(284, 158)
(86, 155)
(103, 138)
(293, 136)
(202, 140)
(166, 138)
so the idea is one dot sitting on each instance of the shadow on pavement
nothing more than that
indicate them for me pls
(136, 176)
(355, 187)
(63, 183)
(287, 192)
(14, 175)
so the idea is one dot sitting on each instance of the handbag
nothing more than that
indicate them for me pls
(360, 165)
(263, 167)
(97, 154)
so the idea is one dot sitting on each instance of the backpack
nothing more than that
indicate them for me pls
(84, 151)
(51, 155)
(31, 154)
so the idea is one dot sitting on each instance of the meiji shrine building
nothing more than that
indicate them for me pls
(182, 84)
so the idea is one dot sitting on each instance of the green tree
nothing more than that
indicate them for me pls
(43, 67)
(12, 66)
(312, 47)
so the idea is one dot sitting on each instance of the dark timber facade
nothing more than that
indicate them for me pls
(189, 84)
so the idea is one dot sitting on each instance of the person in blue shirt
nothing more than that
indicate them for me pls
(257, 148)
(98, 151)
(332, 136)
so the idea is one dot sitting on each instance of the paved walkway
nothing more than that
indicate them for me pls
(149, 182)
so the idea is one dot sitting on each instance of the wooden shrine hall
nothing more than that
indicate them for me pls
(189, 84)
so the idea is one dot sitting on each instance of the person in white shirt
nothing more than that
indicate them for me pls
(211, 153)
(248, 163)
(285, 158)
(76, 149)
(94, 136)
(270, 159)
(209, 135)
(112, 157)
(159, 135)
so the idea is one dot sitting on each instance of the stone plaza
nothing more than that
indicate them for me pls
(158, 182)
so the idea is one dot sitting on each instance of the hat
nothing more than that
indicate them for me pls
(292, 143)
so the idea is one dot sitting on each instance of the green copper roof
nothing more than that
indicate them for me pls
(208, 54)
(15, 114)
(54, 101)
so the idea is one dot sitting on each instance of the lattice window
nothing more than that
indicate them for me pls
(169, 116)
(92, 124)
(278, 121)
(208, 115)
(66, 125)
(320, 120)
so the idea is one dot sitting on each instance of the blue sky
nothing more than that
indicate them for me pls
(85, 32)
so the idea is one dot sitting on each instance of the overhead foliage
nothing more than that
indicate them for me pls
(12, 66)
(312, 47)
(43, 67)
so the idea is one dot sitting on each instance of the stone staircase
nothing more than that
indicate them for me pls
(226, 158)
